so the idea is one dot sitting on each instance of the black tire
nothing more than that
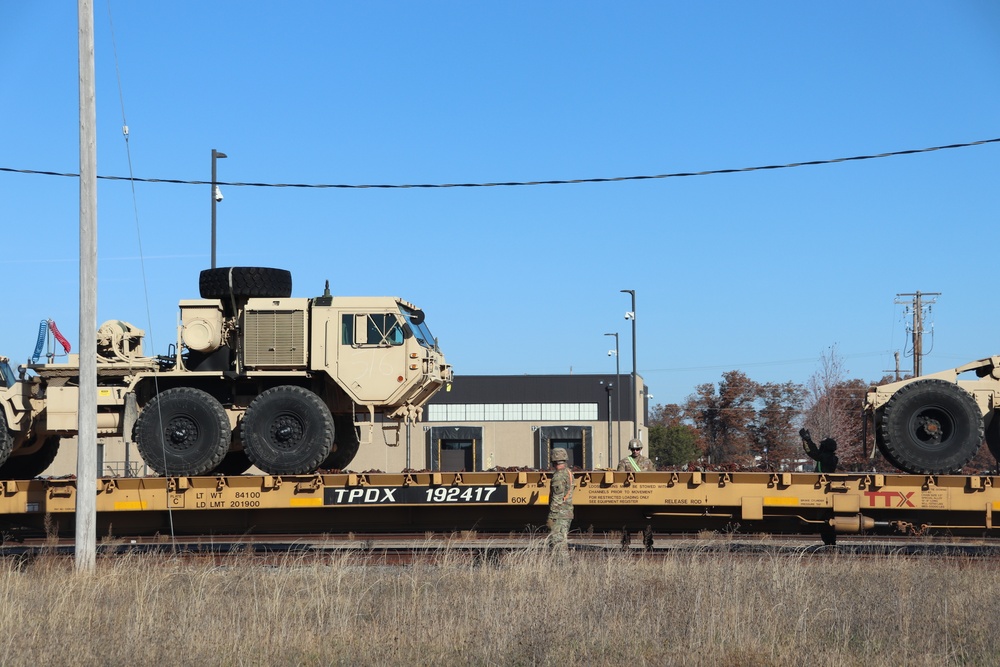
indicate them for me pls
(235, 462)
(6, 439)
(183, 431)
(931, 427)
(244, 282)
(345, 444)
(29, 466)
(288, 430)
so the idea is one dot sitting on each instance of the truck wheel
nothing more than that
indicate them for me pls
(31, 465)
(244, 282)
(345, 444)
(287, 430)
(183, 431)
(6, 439)
(931, 427)
(234, 463)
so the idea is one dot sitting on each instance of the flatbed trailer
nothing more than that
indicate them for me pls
(497, 502)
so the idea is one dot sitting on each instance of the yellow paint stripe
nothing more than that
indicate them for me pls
(996, 505)
(306, 502)
(783, 501)
(131, 505)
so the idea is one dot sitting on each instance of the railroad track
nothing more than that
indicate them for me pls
(409, 548)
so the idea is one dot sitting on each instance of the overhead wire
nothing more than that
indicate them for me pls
(614, 179)
(142, 264)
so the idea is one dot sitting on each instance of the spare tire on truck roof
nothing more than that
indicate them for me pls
(245, 282)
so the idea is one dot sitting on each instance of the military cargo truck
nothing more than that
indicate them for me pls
(935, 424)
(257, 377)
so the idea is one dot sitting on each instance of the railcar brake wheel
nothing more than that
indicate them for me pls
(287, 430)
(931, 427)
(183, 431)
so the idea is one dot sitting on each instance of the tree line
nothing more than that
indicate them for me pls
(748, 424)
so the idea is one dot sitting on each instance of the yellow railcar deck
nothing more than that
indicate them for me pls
(604, 501)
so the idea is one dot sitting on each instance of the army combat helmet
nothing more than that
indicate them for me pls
(558, 454)
(635, 445)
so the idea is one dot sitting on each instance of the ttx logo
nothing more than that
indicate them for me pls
(889, 498)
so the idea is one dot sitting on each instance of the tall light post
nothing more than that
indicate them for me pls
(216, 197)
(618, 383)
(630, 315)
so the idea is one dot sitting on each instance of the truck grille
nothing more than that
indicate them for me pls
(274, 339)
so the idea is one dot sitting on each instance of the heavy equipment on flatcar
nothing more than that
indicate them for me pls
(935, 423)
(257, 377)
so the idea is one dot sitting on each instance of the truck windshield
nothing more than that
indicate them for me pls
(415, 318)
(6, 374)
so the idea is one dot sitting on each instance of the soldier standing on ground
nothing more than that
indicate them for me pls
(635, 461)
(560, 502)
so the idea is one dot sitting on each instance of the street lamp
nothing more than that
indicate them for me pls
(618, 383)
(216, 197)
(630, 315)
(609, 389)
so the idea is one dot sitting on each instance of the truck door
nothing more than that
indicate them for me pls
(372, 356)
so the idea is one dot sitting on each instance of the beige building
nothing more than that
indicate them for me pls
(484, 422)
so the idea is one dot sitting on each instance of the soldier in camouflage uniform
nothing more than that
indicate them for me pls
(560, 502)
(635, 461)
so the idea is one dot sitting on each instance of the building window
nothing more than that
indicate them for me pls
(511, 412)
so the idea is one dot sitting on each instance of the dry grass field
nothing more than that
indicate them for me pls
(693, 608)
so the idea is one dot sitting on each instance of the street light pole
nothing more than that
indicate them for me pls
(635, 415)
(216, 197)
(609, 388)
(618, 383)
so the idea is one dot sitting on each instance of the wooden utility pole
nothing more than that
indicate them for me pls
(917, 301)
(86, 462)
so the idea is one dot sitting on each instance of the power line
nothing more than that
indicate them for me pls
(616, 179)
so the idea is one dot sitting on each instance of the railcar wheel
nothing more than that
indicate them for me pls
(244, 282)
(288, 430)
(235, 462)
(31, 465)
(931, 427)
(345, 444)
(183, 431)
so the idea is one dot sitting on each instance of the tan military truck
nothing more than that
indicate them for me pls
(257, 377)
(935, 424)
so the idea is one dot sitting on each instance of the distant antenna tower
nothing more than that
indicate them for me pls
(918, 302)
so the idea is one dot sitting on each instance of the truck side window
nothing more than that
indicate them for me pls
(384, 329)
(347, 329)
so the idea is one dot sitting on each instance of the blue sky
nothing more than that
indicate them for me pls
(761, 272)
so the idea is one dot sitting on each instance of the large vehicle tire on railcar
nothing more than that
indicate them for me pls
(183, 431)
(235, 462)
(6, 438)
(345, 444)
(992, 435)
(29, 466)
(287, 430)
(244, 282)
(930, 427)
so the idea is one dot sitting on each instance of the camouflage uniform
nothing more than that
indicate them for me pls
(560, 506)
(635, 462)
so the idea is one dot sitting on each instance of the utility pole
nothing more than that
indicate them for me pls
(917, 301)
(86, 461)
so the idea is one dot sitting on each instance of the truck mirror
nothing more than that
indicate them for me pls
(417, 318)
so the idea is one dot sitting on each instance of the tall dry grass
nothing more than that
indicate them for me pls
(694, 608)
